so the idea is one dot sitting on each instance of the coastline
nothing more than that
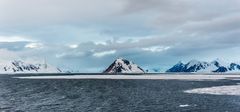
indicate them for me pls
(148, 77)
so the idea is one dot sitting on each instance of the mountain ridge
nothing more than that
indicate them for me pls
(19, 66)
(216, 66)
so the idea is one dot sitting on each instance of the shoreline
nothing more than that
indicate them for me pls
(147, 77)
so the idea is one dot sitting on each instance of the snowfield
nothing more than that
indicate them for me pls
(219, 90)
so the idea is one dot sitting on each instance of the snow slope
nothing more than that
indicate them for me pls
(18, 66)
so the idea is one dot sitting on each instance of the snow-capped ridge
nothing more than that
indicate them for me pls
(220, 62)
(205, 67)
(19, 66)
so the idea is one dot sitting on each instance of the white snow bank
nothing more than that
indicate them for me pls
(154, 77)
(218, 90)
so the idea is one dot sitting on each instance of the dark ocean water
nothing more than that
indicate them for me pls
(22, 95)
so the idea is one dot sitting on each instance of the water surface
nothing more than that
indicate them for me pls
(25, 95)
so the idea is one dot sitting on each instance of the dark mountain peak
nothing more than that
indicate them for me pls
(122, 65)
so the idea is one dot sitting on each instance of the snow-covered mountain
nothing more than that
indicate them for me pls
(205, 67)
(121, 65)
(23, 67)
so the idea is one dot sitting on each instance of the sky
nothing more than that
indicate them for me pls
(88, 35)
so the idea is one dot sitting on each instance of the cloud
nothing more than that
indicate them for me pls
(34, 45)
(7, 55)
(156, 48)
(73, 46)
(14, 39)
(104, 53)
(55, 11)
(13, 46)
(221, 24)
(71, 55)
(91, 33)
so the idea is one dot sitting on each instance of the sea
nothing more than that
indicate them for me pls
(108, 95)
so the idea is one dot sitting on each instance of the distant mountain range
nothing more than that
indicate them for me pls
(121, 65)
(18, 66)
(216, 66)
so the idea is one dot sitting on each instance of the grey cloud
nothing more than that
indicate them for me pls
(192, 28)
(179, 43)
(13, 46)
(169, 15)
(220, 24)
(160, 6)
(44, 12)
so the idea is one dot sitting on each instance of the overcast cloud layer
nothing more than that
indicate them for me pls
(87, 35)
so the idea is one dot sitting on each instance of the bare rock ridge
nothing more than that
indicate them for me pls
(121, 65)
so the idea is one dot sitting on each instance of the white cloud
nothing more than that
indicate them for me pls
(156, 48)
(34, 45)
(73, 46)
(104, 53)
(14, 39)
(101, 43)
